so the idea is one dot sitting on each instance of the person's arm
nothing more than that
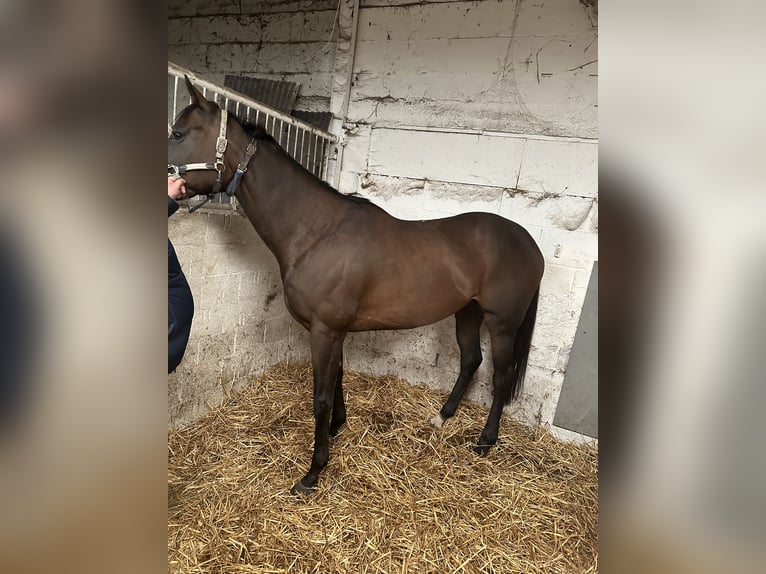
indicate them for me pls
(176, 190)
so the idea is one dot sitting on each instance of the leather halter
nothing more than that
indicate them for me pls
(220, 149)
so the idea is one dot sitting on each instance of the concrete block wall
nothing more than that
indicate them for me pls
(510, 66)
(241, 325)
(289, 41)
(454, 107)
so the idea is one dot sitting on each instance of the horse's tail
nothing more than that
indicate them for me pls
(521, 346)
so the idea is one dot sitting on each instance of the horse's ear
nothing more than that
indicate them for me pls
(197, 98)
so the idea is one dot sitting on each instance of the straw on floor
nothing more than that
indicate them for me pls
(396, 496)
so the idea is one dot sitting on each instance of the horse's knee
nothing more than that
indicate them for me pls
(322, 407)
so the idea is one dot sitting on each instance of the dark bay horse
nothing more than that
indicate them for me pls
(347, 265)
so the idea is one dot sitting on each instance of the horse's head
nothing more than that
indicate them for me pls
(193, 144)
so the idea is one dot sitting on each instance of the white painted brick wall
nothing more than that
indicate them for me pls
(267, 39)
(483, 65)
(241, 325)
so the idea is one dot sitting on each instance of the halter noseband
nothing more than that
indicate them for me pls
(220, 149)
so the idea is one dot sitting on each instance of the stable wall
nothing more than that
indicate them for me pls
(241, 325)
(454, 107)
(287, 41)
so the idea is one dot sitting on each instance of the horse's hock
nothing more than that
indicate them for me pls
(421, 149)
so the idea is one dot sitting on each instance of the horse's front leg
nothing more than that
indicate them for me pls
(326, 353)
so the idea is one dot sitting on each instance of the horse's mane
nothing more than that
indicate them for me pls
(259, 133)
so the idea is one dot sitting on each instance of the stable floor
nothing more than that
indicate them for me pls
(396, 496)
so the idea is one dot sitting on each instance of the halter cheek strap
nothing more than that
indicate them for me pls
(220, 149)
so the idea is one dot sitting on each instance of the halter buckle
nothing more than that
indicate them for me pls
(220, 145)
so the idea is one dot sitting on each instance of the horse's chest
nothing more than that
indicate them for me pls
(296, 303)
(308, 297)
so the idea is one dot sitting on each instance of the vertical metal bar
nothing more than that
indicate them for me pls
(285, 136)
(175, 98)
(324, 159)
(295, 145)
(314, 169)
(303, 135)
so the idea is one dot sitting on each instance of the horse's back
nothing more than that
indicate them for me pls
(476, 236)
(491, 236)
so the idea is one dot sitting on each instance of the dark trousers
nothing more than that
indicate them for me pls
(180, 310)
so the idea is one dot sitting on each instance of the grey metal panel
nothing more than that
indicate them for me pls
(577, 409)
(279, 95)
(318, 119)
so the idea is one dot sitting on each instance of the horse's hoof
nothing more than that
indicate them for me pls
(482, 449)
(335, 429)
(301, 489)
(437, 421)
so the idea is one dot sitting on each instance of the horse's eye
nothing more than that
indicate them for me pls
(176, 135)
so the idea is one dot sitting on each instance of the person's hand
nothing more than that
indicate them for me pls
(176, 188)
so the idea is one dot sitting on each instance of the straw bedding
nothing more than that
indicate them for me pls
(396, 496)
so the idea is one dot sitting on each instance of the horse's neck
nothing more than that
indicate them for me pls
(287, 206)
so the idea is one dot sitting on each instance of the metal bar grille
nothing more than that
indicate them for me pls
(291, 133)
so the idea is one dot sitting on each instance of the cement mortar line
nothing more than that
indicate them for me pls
(488, 133)
(509, 189)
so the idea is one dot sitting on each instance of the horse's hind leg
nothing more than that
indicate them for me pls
(339, 406)
(467, 324)
(502, 334)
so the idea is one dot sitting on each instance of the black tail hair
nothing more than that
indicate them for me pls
(521, 347)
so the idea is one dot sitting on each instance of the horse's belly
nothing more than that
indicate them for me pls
(406, 305)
